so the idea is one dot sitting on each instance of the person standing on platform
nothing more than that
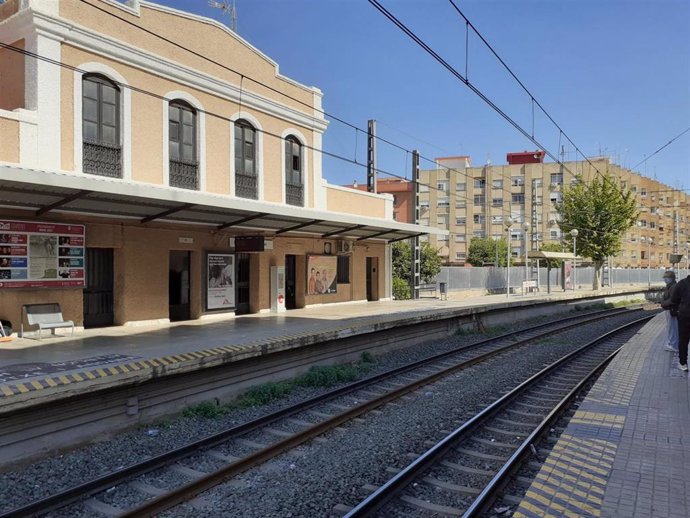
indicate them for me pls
(671, 311)
(681, 298)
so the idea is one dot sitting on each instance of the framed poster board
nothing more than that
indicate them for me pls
(220, 281)
(321, 274)
(41, 255)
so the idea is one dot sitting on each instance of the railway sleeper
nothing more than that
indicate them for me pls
(526, 415)
(515, 424)
(497, 444)
(480, 455)
(532, 405)
(466, 469)
(430, 506)
(464, 490)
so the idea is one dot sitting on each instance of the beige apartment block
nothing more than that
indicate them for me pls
(475, 201)
(156, 166)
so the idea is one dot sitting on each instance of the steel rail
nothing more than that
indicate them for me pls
(183, 493)
(379, 498)
(89, 488)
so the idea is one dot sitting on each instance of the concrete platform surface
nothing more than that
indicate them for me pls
(626, 452)
(29, 365)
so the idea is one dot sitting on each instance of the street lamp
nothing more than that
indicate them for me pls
(574, 234)
(650, 240)
(525, 226)
(508, 222)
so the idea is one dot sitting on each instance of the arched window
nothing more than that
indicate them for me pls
(245, 160)
(101, 126)
(294, 185)
(182, 147)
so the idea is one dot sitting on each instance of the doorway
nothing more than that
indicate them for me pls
(98, 291)
(372, 278)
(242, 284)
(290, 281)
(178, 285)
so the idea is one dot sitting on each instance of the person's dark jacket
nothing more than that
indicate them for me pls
(666, 296)
(681, 297)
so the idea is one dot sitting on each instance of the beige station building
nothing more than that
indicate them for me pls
(155, 166)
(475, 201)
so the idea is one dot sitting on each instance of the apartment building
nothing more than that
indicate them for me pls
(475, 201)
(155, 166)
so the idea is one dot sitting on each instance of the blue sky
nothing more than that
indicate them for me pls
(614, 74)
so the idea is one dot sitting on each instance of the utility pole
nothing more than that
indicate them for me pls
(415, 255)
(371, 156)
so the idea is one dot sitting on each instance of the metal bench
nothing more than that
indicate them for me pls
(427, 287)
(45, 316)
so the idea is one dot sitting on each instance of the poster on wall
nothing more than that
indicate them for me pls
(321, 274)
(567, 275)
(41, 255)
(220, 281)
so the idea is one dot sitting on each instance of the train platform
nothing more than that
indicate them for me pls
(626, 452)
(33, 371)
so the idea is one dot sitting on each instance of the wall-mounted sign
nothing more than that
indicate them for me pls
(321, 274)
(249, 244)
(41, 255)
(185, 240)
(220, 281)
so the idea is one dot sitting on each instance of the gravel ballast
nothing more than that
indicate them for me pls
(310, 480)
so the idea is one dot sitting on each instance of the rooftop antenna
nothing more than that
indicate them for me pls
(227, 7)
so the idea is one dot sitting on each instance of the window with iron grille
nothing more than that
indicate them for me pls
(343, 273)
(294, 188)
(184, 168)
(497, 202)
(245, 160)
(518, 198)
(102, 151)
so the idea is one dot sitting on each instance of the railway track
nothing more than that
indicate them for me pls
(233, 451)
(465, 472)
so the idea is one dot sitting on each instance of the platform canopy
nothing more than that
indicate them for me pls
(551, 255)
(43, 192)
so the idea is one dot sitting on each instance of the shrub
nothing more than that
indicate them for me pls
(401, 290)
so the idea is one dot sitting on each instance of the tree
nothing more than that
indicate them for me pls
(601, 212)
(483, 250)
(429, 267)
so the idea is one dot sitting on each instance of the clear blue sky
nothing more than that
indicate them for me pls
(614, 74)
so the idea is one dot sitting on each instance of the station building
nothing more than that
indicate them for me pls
(155, 166)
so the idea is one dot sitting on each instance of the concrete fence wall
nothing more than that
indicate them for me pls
(493, 279)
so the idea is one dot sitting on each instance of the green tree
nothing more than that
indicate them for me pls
(602, 212)
(429, 267)
(483, 250)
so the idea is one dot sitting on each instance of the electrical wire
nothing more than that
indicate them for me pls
(662, 147)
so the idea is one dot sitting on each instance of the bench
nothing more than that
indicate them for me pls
(427, 287)
(45, 316)
(529, 286)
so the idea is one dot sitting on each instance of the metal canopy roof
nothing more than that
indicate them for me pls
(48, 191)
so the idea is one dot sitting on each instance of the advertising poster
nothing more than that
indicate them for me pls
(41, 255)
(321, 274)
(567, 275)
(220, 284)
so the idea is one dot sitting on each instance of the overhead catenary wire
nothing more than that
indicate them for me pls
(662, 147)
(532, 98)
(143, 91)
(356, 128)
